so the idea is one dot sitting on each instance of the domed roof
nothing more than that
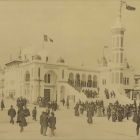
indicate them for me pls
(36, 57)
(60, 60)
(50, 55)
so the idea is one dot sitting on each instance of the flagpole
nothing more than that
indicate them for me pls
(121, 5)
(43, 42)
(120, 9)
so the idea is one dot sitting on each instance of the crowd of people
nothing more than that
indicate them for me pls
(47, 119)
(109, 95)
(116, 111)
(21, 113)
(43, 102)
(91, 108)
(90, 93)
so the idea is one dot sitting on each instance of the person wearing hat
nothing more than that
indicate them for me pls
(34, 113)
(138, 124)
(22, 119)
(12, 114)
(44, 120)
(41, 122)
(2, 104)
(52, 123)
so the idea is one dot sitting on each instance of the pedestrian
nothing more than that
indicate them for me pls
(44, 120)
(34, 113)
(52, 123)
(63, 101)
(138, 124)
(89, 116)
(76, 108)
(22, 119)
(41, 122)
(2, 104)
(67, 103)
(27, 112)
(108, 112)
(12, 114)
(114, 115)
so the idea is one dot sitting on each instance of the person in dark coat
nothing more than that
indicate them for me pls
(76, 108)
(81, 109)
(108, 112)
(2, 104)
(44, 120)
(120, 116)
(67, 104)
(26, 111)
(52, 123)
(22, 119)
(34, 112)
(63, 101)
(12, 114)
(89, 116)
(114, 115)
(138, 124)
(41, 122)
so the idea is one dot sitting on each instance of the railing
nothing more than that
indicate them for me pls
(78, 88)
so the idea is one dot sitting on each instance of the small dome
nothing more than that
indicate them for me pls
(60, 60)
(36, 57)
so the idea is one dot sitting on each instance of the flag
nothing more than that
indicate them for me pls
(45, 38)
(51, 40)
(128, 7)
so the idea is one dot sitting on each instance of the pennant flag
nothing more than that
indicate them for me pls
(51, 40)
(128, 7)
(45, 38)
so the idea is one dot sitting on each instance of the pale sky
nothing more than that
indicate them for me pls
(79, 28)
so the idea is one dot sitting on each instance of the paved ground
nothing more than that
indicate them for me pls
(69, 127)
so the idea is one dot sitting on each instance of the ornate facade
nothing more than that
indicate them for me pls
(40, 75)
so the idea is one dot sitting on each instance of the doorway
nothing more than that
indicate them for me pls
(47, 94)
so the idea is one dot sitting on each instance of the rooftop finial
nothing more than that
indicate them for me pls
(120, 10)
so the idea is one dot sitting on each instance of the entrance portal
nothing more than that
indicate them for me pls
(47, 94)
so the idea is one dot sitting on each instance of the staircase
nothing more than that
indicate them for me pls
(118, 97)
(79, 95)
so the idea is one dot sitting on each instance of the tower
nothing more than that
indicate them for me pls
(117, 65)
(121, 73)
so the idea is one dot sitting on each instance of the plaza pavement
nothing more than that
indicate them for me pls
(68, 127)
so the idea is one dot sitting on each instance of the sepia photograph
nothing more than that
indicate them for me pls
(69, 70)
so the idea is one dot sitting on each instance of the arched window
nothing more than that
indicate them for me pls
(94, 81)
(77, 80)
(71, 79)
(47, 78)
(62, 74)
(89, 83)
(121, 41)
(27, 76)
(38, 72)
(121, 77)
(83, 80)
(62, 93)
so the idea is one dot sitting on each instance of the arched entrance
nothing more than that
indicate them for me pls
(62, 93)
(50, 79)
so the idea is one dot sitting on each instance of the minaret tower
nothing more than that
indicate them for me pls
(118, 63)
